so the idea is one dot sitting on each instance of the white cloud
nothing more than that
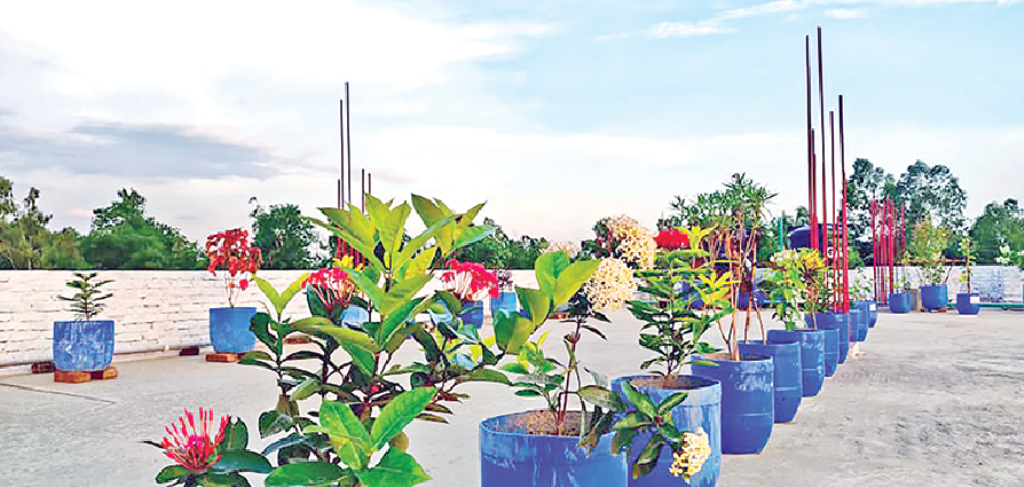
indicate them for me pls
(847, 13)
(687, 29)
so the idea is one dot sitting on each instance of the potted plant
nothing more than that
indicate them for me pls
(927, 246)
(231, 252)
(968, 303)
(901, 300)
(791, 270)
(864, 300)
(84, 345)
(672, 330)
(506, 299)
(556, 446)
(1011, 257)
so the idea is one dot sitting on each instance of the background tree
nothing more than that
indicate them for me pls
(123, 237)
(287, 240)
(999, 224)
(933, 192)
(23, 233)
(499, 251)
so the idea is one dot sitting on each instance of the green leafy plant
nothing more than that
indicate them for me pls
(800, 285)
(87, 302)
(862, 289)
(927, 246)
(970, 258)
(1008, 256)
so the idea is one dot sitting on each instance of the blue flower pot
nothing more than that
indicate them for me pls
(510, 457)
(858, 325)
(835, 353)
(354, 317)
(748, 400)
(788, 376)
(506, 301)
(83, 346)
(870, 309)
(812, 356)
(229, 330)
(473, 313)
(968, 303)
(934, 297)
(701, 409)
(743, 299)
(899, 303)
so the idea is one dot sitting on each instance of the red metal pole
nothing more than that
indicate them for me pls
(824, 189)
(846, 209)
(811, 179)
(835, 209)
(873, 210)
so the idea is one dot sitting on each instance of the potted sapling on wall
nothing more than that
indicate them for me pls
(968, 303)
(231, 252)
(927, 246)
(793, 280)
(84, 344)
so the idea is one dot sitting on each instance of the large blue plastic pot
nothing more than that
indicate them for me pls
(506, 301)
(510, 457)
(858, 325)
(899, 303)
(788, 376)
(83, 346)
(870, 308)
(835, 348)
(701, 409)
(934, 297)
(748, 400)
(812, 356)
(229, 330)
(473, 313)
(968, 303)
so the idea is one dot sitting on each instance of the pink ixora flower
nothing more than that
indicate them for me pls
(469, 281)
(189, 444)
(332, 286)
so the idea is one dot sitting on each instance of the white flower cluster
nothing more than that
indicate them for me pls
(611, 285)
(636, 243)
(695, 450)
(568, 246)
(1010, 257)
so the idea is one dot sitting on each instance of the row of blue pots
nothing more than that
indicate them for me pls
(934, 298)
(735, 402)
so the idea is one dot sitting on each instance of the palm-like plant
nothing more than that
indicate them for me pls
(86, 303)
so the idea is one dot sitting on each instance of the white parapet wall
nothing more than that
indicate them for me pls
(153, 311)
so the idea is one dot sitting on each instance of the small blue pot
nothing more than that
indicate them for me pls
(701, 409)
(788, 376)
(354, 317)
(473, 313)
(870, 309)
(748, 400)
(510, 457)
(835, 353)
(812, 356)
(899, 303)
(968, 303)
(506, 301)
(934, 297)
(83, 346)
(229, 330)
(858, 325)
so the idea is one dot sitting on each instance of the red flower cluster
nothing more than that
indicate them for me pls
(469, 281)
(190, 445)
(332, 286)
(672, 239)
(230, 250)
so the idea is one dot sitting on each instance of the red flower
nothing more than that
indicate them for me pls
(190, 445)
(230, 250)
(672, 239)
(469, 281)
(332, 286)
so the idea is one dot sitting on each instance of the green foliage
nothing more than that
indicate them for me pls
(87, 302)
(798, 284)
(123, 237)
(25, 242)
(1000, 224)
(285, 238)
(235, 459)
(499, 251)
(933, 192)
(927, 248)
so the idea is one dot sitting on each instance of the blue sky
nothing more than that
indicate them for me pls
(558, 113)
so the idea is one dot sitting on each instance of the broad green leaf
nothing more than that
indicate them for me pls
(536, 303)
(427, 210)
(547, 268)
(290, 292)
(403, 291)
(511, 330)
(364, 247)
(601, 397)
(648, 457)
(396, 469)
(305, 389)
(242, 461)
(371, 289)
(571, 279)
(221, 480)
(348, 436)
(273, 422)
(398, 413)
(172, 472)
(623, 439)
(515, 368)
(313, 474)
(236, 436)
(417, 265)
(396, 318)
(359, 345)
(472, 235)
(632, 420)
(642, 402)
(268, 290)
(416, 243)
(489, 375)
(665, 408)
(260, 326)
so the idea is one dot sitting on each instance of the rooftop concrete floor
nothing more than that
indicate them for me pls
(933, 399)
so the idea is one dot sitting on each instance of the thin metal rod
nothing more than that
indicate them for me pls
(341, 133)
(348, 133)
(846, 210)
(821, 105)
(812, 203)
(363, 188)
(835, 219)
(369, 183)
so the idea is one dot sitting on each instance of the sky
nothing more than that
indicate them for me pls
(557, 113)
